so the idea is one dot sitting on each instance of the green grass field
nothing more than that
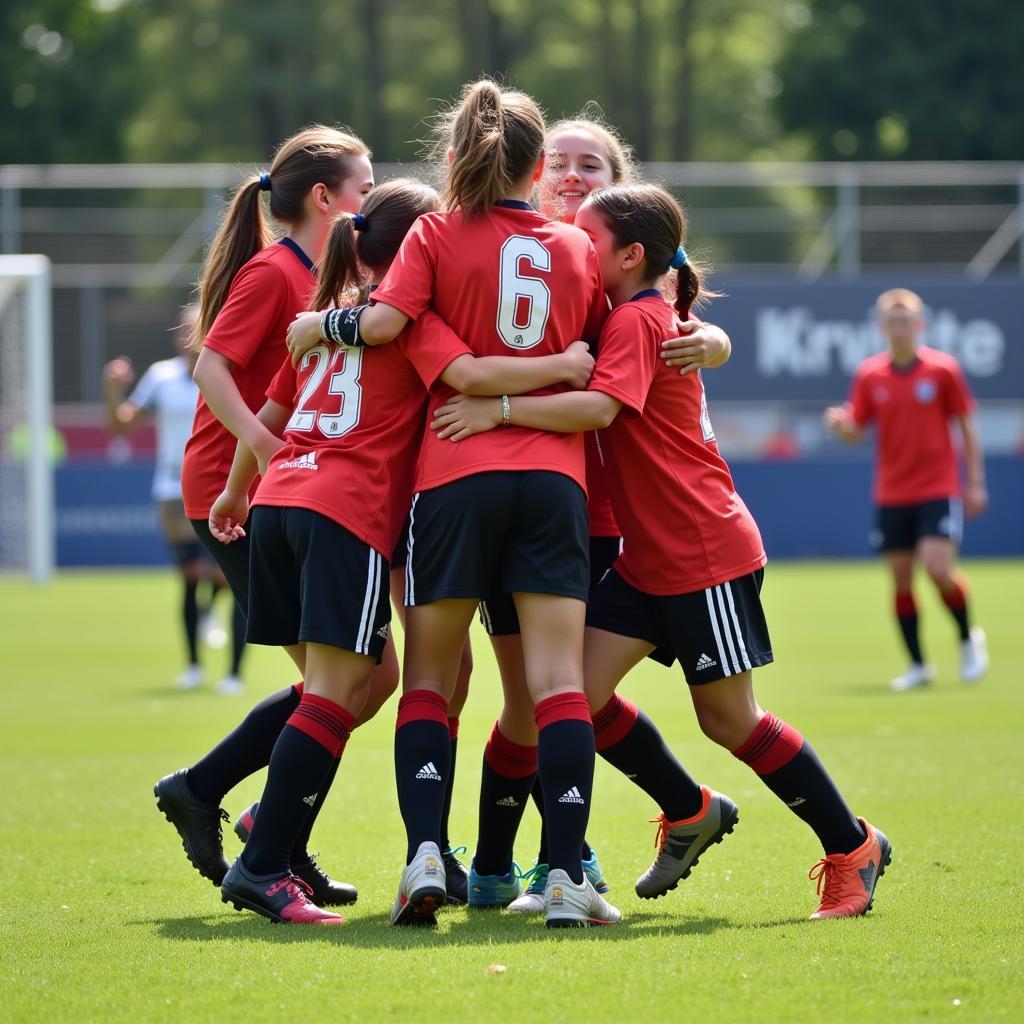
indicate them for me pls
(102, 919)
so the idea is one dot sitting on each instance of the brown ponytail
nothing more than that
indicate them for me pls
(316, 155)
(496, 137)
(651, 216)
(385, 219)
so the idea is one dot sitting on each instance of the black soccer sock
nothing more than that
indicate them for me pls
(509, 771)
(190, 617)
(237, 638)
(246, 749)
(304, 758)
(789, 767)
(628, 740)
(423, 756)
(956, 601)
(906, 615)
(300, 848)
(565, 761)
(446, 810)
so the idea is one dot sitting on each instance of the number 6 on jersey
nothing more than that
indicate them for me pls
(523, 302)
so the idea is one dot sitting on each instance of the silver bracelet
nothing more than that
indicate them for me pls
(506, 411)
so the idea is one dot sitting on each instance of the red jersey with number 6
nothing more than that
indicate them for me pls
(912, 406)
(249, 330)
(509, 283)
(684, 527)
(352, 441)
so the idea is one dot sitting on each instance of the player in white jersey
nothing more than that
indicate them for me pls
(167, 395)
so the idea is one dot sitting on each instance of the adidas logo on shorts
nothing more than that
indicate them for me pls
(571, 797)
(307, 461)
(507, 801)
(704, 662)
(428, 771)
(383, 632)
(311, 799)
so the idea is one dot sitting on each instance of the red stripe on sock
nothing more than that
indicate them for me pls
(422, 706)
(324, 721)
(956, 599)
(509, 759)
(772, 744)
(453, 728)
(614, 722)
(905, 604)
(560, 708)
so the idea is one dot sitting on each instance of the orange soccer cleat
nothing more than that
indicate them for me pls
(846, 881)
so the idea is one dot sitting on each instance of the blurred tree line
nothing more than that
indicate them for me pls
(152, 80)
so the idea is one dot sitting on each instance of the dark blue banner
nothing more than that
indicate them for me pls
(795, 339)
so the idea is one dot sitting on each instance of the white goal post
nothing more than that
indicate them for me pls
(26, 416)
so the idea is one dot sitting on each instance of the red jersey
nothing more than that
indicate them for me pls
(510, 283)
(684, 527)
(352, 441)
(249, 330)
(599, 488)
(912, 406)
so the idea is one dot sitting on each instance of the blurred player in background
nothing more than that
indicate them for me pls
(167, 395)
(912, 392)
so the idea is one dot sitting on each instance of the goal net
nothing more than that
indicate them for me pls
(27, 539)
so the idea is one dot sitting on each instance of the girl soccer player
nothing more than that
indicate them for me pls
(250, 289)
(325, 512)
(505, 515)
(687, 585)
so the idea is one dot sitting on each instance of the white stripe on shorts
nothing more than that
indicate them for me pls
(410, 582)
(736, 626)
(373, 575)
(713, 619)
(727, 629)
(486, 616)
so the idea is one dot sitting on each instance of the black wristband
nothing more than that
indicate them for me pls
(342, 326)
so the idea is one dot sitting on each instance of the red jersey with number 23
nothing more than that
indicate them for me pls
(510, 283)
(249, 330)
(912, 406)
(353, 438)
(684, 527)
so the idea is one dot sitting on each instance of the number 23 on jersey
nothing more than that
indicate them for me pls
(340, 367)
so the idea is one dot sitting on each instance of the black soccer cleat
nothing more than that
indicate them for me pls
(198, 824)
(283, 898)
(456, 878)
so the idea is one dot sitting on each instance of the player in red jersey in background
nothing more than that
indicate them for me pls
(911, 393)
(506, 513)
(687, 585)
(249, 292)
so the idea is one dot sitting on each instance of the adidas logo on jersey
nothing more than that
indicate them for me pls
(571, 797)
(307, 461)
(428, 771)
(704, 662)
(507, 801)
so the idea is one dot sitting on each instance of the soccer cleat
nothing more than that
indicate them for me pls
(456, 877)
(681, 843)
(285, 899)
(198, 824)
(569, 905)
(489, 891)
(592, 869)
(230, 686)
(915, 676)
(846, 881)
(532, 901)
(326, 891)
(421, 890)
(190, 678)
(214, 634)
(974, 656)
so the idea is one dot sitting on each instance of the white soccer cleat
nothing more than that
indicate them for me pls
(190, 678)
(974, 656)
(915, 676)
(576, 906)
(213, 633)
(422, 889)
(230, 686)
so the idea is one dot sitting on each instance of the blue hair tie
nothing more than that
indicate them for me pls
(264, 182)
(679, 259)
(359, 222)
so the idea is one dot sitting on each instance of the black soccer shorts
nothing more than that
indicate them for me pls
(900, 527)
